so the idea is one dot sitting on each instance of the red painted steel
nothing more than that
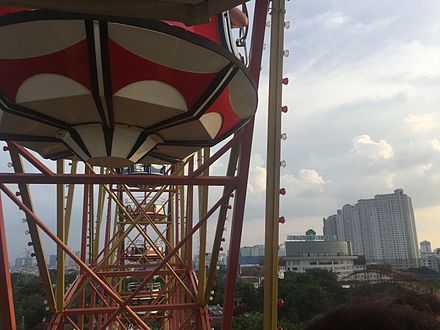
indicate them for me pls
(82, 265)
(117, 179)
(7, 315)
(124, 256)
(261, 7)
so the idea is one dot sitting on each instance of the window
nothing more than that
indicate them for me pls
(325, 263)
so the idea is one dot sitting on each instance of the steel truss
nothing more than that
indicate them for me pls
(138, 234)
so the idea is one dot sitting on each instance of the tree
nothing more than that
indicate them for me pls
(328, 281)
(303, 297)
(247, 322)
(248, 296)
(30, 309)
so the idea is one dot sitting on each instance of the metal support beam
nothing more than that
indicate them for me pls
(203, 207)
(273, 165)
(259, 26)
(76, 259)
(31, 178)
(162, 263)
(7, 314)
(61, 232)
(143, 241)
(99, 217)
(33, 230)
(69, 201)
(232, 167)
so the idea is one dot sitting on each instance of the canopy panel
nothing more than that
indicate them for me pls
(115, 91)
(190, 12)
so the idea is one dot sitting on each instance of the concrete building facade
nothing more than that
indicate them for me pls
(335, 256)
(382, 229)
(430, 260)
(252, 251)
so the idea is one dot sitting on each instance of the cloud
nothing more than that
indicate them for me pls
(398, 69)
(257, 180)
(378, 25)
(365, 146)
(333, 19)
(389, 181)
(422, 169)
(327, 20)
(419, 123)
(257, 175)
(435, 143)
(308, 182)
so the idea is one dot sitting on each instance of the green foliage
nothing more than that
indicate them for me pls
(287, 325)
(303, 297)
(249, 296)
(254, 321)
(30, 309)
(328, 281)
(247, 322)
(219, 289)
(376, 290)
(304, 294)
(69, 276)
(435, 283)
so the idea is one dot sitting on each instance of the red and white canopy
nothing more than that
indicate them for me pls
(115, 91)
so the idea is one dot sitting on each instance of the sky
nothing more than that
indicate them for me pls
(363, 113)
(363, 118)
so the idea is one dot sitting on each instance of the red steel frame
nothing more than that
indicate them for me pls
(166, 290)
(7, 316)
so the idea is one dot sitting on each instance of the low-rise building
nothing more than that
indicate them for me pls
(430, 260)
(310, 251)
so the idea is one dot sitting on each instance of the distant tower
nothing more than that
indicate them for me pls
(28, 262)
(52, 261)
(381, 228)
(425, 247)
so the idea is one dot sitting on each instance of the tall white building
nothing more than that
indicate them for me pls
(382, 229)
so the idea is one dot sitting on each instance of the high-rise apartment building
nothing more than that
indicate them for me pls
(382, 229)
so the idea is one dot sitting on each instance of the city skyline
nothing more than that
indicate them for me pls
(318, 227)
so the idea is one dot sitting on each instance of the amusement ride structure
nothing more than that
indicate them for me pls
(127, 98)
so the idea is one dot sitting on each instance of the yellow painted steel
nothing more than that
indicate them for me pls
(61, 231)
(133, 223)
(33, 231)
(91, 225)
(69, 200)
(182, 214)
(232, 165)
(99, 216)
(171, 238)
(273, 165)
(203, 207)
